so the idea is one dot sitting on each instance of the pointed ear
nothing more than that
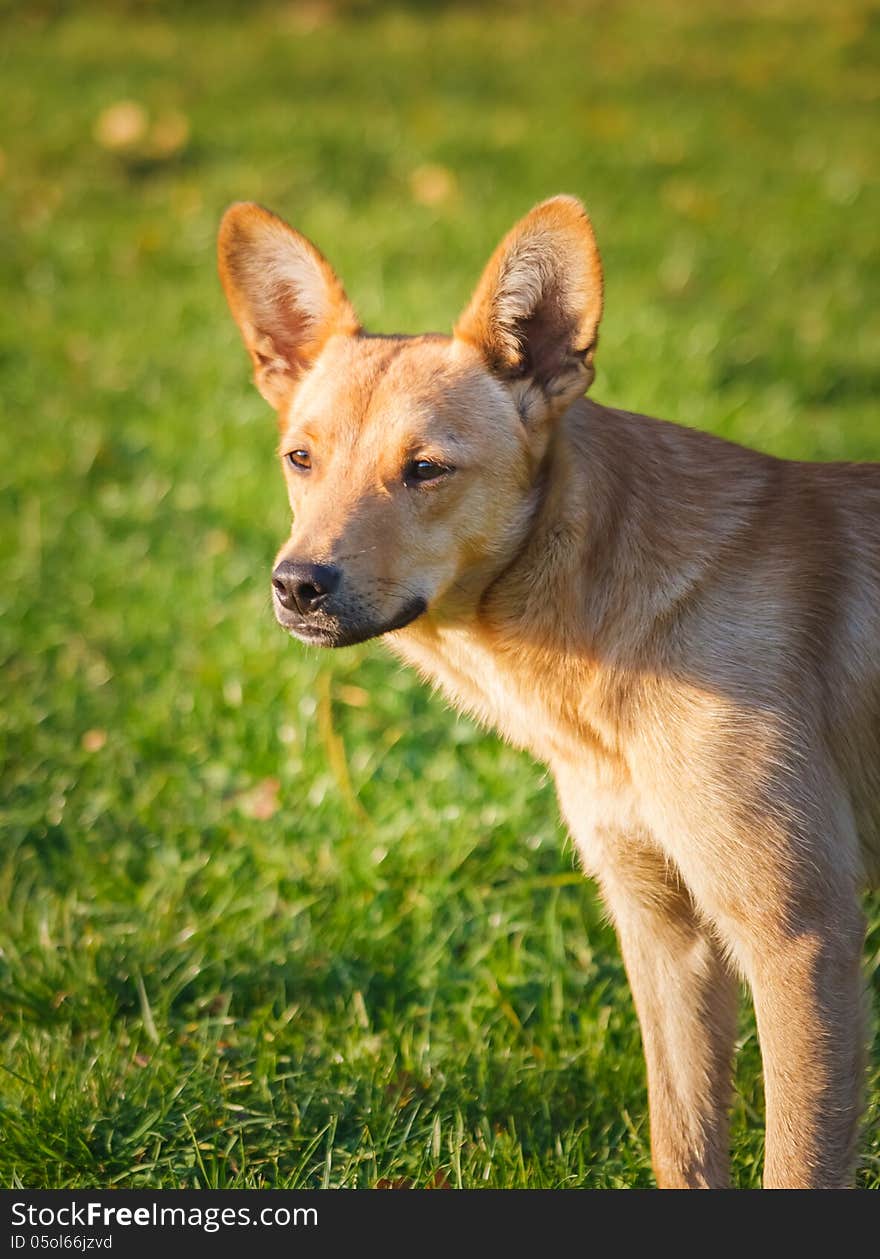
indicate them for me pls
(283, 293)
(535, 314)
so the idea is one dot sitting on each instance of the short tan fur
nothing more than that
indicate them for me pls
(685, 631)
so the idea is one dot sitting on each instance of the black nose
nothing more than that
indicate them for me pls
(303, 587)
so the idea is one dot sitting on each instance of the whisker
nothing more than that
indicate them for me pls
(389, 583)
(351, 555)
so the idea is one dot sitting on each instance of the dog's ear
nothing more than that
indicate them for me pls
(535, 314)
(283, 293)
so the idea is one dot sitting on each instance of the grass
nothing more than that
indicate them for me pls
(272, 917)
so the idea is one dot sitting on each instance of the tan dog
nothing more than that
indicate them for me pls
(685, 631)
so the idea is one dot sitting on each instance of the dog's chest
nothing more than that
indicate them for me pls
(525, 697)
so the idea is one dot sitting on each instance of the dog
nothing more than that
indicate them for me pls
(685, 631)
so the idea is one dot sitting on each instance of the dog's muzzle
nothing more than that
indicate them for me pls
(303, 596)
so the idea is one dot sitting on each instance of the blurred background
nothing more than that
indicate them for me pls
(273, 917)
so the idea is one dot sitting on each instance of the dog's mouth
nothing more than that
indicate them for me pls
(325, 631)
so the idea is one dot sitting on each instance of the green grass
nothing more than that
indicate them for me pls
(272, 917)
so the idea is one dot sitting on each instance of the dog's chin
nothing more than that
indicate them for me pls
(332, 633)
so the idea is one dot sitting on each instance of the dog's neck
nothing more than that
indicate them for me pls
(625, 526)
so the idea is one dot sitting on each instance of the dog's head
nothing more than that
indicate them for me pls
(411, 462)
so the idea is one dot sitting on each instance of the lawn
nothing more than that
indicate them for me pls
(272, 917)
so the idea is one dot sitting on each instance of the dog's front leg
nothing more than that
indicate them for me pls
(685, 994)
(686, 999)
(781, 887)
(808, 991)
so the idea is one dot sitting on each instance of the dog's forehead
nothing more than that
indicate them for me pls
(399, 382)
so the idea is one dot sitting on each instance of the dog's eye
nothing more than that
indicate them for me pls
(422, 470)
(299, 459)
